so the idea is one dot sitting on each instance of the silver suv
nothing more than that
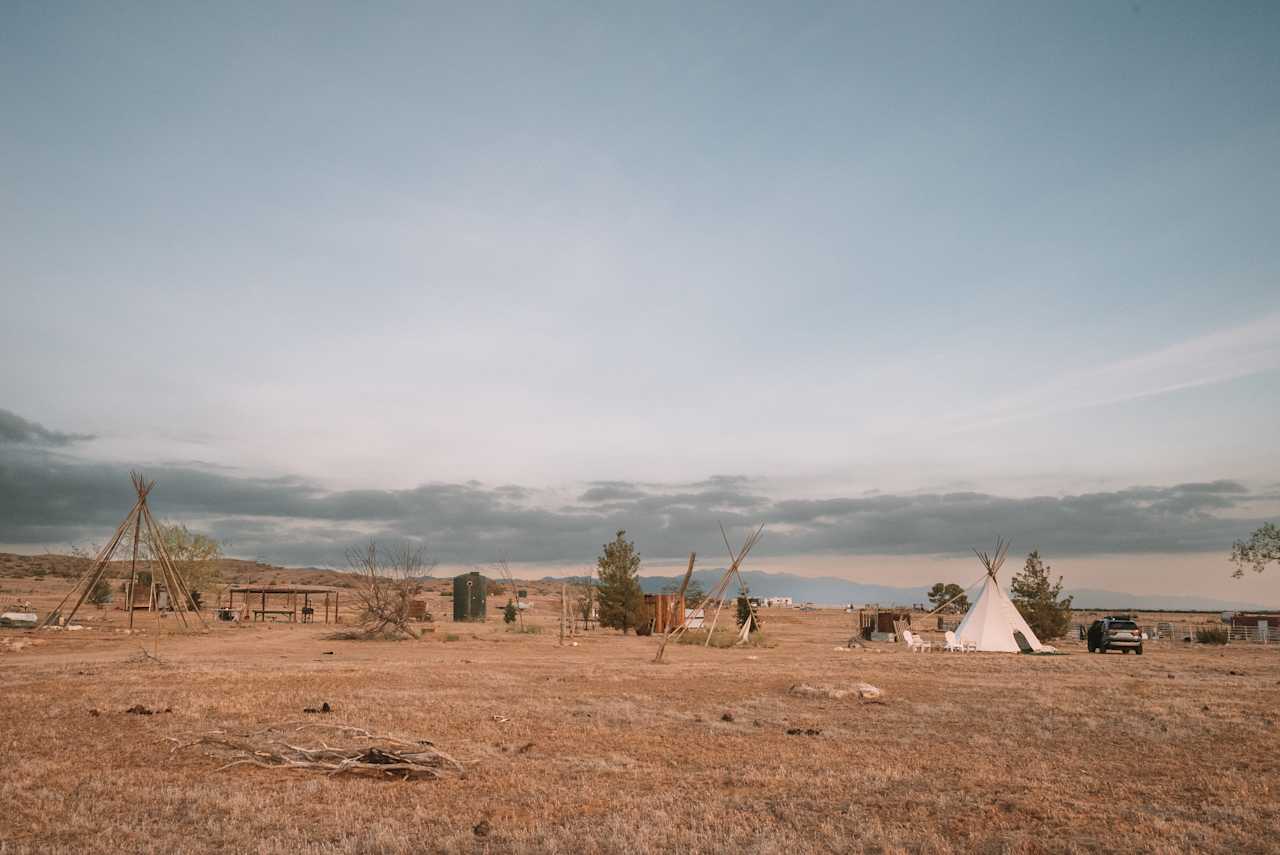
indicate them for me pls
(1115, 633)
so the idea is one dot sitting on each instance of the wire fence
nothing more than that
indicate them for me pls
(1260, 633)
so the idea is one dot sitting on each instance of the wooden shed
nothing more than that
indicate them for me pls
(1253, 619)
(145, 597)
(666, 610)
(875, 623)
(469, 593)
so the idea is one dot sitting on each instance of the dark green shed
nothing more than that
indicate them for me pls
(469, 592)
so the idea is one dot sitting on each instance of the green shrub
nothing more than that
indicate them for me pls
(101, 593)
(452, 636)
(1212, 635)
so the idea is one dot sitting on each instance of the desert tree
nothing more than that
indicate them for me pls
(1039, 599)
(386, 587)
(948, 596)
(194, 556)
(1262, 547)
(621, 600)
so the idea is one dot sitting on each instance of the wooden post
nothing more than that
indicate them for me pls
(133, 567)
(679, 604)
(90, 579)
(562, 613)
(714, 621)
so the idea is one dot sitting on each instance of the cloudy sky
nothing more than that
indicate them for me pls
(891, 278)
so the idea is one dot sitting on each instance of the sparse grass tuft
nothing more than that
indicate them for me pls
(1212, 635)
(562, 746)
(723, 639)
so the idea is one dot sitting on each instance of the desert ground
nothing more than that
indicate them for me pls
(590, 747)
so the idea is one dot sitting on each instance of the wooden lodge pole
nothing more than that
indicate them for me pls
(563, 600)
(679, 604)
(90, 578)
(133, 566)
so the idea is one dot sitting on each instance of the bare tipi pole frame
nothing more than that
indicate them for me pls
(990, 562)
(994, 561)
(718, 594)
(144, 525)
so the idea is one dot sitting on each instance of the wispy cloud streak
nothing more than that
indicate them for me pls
(1216, 357)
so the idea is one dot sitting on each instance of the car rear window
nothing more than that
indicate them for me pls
(1123, 624)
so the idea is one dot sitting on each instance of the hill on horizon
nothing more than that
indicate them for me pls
(822, 590)
(831, 590)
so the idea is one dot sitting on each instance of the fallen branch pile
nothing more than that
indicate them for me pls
(273, 748)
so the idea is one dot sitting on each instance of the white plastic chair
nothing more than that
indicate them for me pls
(953, 645)
(914, 643)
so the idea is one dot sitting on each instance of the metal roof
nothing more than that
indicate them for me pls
(284, 589)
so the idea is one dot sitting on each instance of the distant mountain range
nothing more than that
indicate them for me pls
(828, 590)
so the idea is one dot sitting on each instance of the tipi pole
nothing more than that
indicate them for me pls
(170, 588)
(680, 601)
(91, 575)
(953, 599)
(562, 610)
(183, 589)
(133, 566)
(99, 568)
(742, 585)
(719, 606)
(731, 573)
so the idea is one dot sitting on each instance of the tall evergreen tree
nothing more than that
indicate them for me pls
(1039, 599)
(620, 599)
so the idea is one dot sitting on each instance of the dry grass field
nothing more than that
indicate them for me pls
(591, 748)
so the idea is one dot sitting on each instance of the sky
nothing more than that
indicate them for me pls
(891, 278)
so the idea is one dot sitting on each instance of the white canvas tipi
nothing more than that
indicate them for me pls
(992, 619)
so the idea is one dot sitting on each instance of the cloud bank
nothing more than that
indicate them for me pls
(49, 498)
(15, 429)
